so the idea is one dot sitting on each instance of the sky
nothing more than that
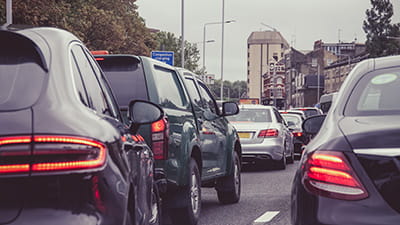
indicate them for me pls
(301, 22)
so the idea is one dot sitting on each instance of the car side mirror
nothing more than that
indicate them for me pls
(229, 108)
(143, 112)
(312, 124)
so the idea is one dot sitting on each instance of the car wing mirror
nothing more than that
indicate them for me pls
(143, 112)
(229, 109)
(312, 124)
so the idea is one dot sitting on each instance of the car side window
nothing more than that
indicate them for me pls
(207, 98)
(79, 83)
(96, 98)
(278, 117)
(169, 88)
(193, 92)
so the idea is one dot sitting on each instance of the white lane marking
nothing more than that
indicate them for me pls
(266, 217)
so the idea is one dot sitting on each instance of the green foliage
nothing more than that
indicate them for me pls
(380, 31)
(236, 89)
(167, 41)
(112, 25)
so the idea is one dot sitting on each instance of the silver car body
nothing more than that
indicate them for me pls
(249, 125)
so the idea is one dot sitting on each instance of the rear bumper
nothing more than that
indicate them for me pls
(262, 151)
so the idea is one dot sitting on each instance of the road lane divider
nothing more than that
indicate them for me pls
(266, 217)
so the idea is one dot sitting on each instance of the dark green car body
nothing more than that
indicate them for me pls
(195, 132)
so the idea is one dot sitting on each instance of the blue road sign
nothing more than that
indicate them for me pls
(163, 56)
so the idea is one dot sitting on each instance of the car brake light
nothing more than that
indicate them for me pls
(159, 139)
(297, 134)
(50, 153)
(329, 174)
(100, 52)
(268, 133)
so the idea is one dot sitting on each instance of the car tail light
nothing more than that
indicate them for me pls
(50, 153)
(268, 133)
(159, 139)
(329, 174)
(297, 134)
(100, 52)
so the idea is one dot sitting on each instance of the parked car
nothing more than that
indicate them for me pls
(300, 139)
(349, 172)
(65, 155)
(309, 111)
(264, 135)
(193, 146)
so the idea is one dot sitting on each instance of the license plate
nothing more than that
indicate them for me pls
(244, 135)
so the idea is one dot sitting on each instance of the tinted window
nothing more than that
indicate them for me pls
(207, 98)
(193, 92)
(252, 115)
(96, 98)
(170, 91)
(79, 83)
(375, 94)
(21, 76)
(126, 78)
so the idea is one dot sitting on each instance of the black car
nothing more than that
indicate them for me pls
(300, 139)
(65, 155)
(350, 171)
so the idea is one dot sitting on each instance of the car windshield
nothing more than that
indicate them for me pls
(376, 94)
(251, 115)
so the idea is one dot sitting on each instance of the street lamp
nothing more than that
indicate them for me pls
(183, 34)
(204, 39)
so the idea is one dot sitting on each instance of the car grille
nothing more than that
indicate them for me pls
(384, 171)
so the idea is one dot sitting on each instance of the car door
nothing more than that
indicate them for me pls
(134, 163)
(212, 130)
(288, 137)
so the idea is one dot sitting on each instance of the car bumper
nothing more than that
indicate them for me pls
(263, 151)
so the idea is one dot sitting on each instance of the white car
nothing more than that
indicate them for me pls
(264, 136)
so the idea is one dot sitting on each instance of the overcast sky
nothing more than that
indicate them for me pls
(301, 22)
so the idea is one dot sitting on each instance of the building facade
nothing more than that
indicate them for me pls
(264, 48)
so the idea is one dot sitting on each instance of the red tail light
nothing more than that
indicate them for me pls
(159, 139)
(329, 174)
(100, 52)
(268, 133)
(297, 134)
(50, 153)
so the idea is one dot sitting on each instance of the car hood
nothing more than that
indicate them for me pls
(372, 131)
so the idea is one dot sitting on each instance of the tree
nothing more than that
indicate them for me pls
(236, 89)
(379, 29)
(112, 25)
(167, 41)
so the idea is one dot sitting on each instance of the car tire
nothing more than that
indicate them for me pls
(156, 212)
(281, 164)
(229, 187)
(191, 196)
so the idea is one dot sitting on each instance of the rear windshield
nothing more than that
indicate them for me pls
(293, 119)
(126, 78)
(376, 93)
(21, 76)
(251, 115)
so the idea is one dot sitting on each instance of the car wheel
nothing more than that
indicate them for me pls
(156, 213)
(228, 188)
(281, 164)
(191, 195)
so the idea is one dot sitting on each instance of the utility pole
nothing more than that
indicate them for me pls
(183, 34)
(9, 12)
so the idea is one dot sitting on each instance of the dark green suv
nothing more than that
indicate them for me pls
(194, 145)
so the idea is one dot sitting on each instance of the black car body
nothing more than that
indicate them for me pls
(65, 155)
(349, 172)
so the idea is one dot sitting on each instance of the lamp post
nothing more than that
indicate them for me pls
(183, 34)
(204, 38)
(9, 12)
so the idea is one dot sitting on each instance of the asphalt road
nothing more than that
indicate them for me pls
(265, 200)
